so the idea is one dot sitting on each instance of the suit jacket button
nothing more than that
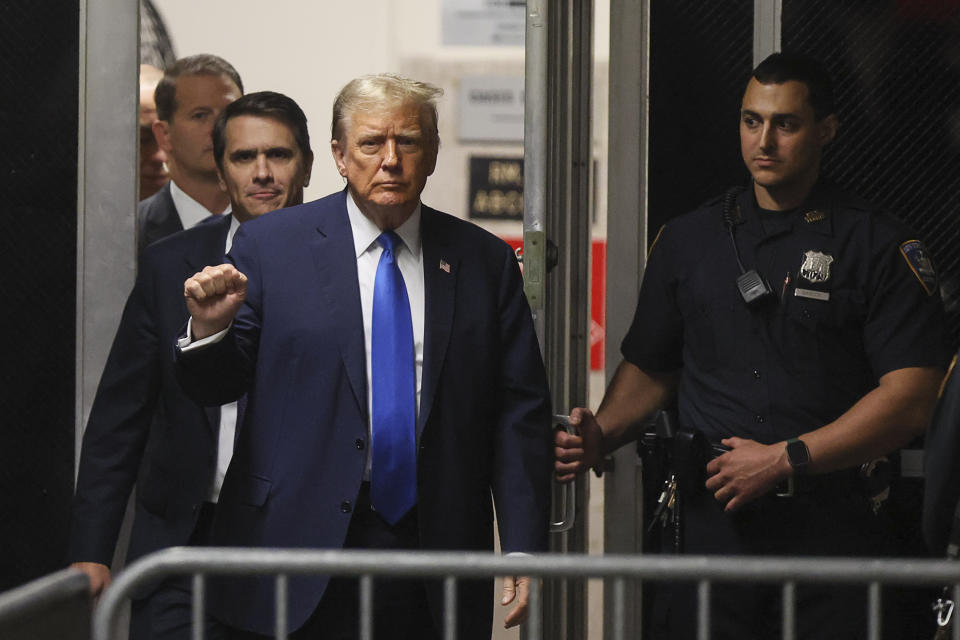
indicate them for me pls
(346, 507)
(359, 443)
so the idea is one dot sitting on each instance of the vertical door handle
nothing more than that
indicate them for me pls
(564, 494)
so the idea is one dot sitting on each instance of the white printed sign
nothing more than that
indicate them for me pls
(489, 23)
(491, 108)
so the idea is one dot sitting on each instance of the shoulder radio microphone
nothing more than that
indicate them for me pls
(753, 287)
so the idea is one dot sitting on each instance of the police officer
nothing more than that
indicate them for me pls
(795, 326)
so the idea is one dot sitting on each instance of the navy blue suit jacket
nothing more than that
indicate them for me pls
(297, 347)
(142, 427)
(157, 218)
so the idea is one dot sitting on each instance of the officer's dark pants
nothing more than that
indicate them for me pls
(827, 521)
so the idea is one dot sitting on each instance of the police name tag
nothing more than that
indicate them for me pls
(811, 294)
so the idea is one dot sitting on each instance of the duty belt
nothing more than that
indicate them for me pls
(689, 452)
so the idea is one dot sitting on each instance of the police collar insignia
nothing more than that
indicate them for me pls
(919, 260)
(816, 266)
(816, 215)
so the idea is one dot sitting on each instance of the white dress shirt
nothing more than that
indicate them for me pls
(409, 259)
(190, 211)
(228, 412)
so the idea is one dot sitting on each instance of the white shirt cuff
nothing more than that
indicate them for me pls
(186, 343)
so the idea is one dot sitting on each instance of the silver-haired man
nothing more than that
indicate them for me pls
(394, 380)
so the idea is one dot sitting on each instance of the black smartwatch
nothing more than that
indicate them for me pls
(798, 455)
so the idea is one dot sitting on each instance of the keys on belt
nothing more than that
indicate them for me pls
(666, 509)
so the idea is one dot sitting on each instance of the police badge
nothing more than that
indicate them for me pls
(816, 266)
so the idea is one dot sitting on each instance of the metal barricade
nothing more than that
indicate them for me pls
(450, 566)
(54, 607)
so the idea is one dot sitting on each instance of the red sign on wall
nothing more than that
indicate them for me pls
(598, 300)
(598, 305)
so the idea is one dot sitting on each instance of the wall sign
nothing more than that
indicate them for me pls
(491, 108)
(488, 23)
(496, 188)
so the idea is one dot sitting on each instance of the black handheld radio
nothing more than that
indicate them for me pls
(753, 287)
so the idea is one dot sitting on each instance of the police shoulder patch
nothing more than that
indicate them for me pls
(920, 263)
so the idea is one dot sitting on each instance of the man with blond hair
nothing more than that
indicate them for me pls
(394, 384)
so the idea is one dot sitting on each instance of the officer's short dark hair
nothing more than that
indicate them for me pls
(263, 104)
(782, 67)
(204, 64)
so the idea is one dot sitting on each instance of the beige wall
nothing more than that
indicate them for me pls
(308, 50)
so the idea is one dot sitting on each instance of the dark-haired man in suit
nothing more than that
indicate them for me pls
(189, 97)
(142, 427)
(394, 379)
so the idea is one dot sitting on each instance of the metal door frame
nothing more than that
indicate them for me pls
(107, 160)
(107, 165)
(626, 239)
(557, 216)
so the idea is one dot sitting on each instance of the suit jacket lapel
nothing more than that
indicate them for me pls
(440, 270)
(210, 245)
(167, 220)
(336, 263)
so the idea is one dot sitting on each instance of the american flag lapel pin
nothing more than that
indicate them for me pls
(444, 265)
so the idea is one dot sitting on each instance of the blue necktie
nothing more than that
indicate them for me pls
(393, 469)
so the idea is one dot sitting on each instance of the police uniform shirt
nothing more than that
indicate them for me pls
(854, 297)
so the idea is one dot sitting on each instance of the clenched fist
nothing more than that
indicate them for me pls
(213, 297)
